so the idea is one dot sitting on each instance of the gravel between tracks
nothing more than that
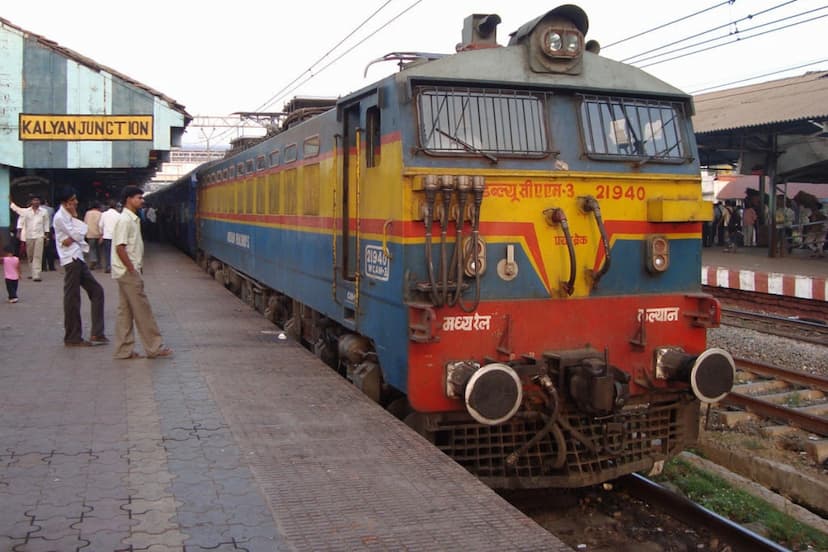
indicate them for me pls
(777, 351)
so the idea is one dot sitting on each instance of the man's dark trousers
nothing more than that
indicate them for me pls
(77, 275)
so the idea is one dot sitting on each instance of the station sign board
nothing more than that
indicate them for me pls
(85, 127)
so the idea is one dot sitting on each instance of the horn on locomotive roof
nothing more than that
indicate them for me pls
(479, 31)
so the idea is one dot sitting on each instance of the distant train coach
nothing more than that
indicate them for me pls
(501, 245)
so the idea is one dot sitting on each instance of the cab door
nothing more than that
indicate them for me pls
(347, 244)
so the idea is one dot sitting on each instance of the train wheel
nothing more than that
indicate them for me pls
(247, 293)
(399, 408)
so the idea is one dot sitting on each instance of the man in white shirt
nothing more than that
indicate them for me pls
(107, 226)
(49, 248)
(36, 229)
(70, 233)
(133, 307)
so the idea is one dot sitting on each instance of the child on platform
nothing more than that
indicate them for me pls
(11, 270)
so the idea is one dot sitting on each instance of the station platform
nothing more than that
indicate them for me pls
(795, 274)
(240, 441)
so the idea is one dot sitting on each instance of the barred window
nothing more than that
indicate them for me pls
(483, 122)
(634, 128)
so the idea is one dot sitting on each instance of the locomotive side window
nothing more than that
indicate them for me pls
(274, 158)
(483, 122)
(290, 153)
(310, 147)
(374, 137)
(260, 163)
(616, 127)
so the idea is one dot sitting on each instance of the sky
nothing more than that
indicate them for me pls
(217, 61)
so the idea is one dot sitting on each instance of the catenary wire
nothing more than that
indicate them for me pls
(737, 34)
(737, 39)
(708, 31)
(346, 52)
(304, 77)
(271, 100)
(642, 33)
(776, 72)
(325, 55)
(774, 85)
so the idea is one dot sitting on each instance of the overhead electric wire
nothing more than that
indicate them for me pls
(318, 61)
(773, 85)
(346, 52)
(708, 31)
(281, 93)
(737, 39)
(737, 34)
(642, 33)
(776, 72)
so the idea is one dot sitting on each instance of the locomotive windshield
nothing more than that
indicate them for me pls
(482, 122)
(618, 127)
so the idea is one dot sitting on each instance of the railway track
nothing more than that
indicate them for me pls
(802, 329)
(788, 396)
(693, 515)
(786, 306)
(635, 510)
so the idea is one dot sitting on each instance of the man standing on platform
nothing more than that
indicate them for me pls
(36, 225)
(92, 219)
(127, 262)
(70, 235)
(107, 226)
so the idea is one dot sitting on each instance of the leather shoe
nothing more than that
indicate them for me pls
(83, 343)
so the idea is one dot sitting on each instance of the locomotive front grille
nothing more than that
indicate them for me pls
(598, 449)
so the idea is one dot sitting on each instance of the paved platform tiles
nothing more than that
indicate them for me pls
(238, 442)
(750, 269)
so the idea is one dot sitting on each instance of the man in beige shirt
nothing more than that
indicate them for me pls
(36, 226)
(92, 221)
(127, 261)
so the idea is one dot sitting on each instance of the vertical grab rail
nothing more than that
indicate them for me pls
(430, 185)
(336, 176)
(590, 205)
(555, 216)
(358, 195)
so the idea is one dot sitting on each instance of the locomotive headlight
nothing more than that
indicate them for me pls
(658, 254)
(558, 43)
(572, 43)
(554, 42)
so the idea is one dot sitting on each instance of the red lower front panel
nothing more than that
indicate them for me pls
(629, 329)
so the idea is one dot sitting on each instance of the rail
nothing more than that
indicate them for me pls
(694, 515)
(792, 416)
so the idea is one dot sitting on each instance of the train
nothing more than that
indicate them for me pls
(501, 245)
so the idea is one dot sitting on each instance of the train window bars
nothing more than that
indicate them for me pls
(482, 122)
(627, 128)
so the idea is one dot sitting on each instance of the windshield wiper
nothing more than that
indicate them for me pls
(466, 145)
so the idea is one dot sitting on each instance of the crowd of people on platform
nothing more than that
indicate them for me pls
(799, 225)
(109, 239)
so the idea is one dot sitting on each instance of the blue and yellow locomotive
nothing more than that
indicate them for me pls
(502, 245)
